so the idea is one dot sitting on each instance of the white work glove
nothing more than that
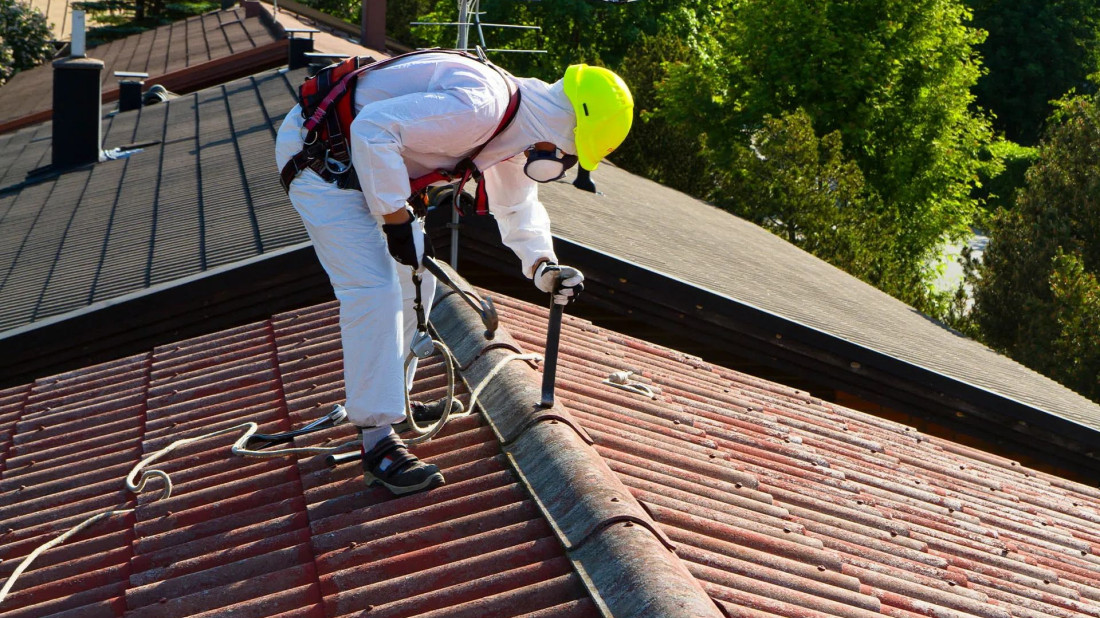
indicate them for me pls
(564, 282)
(407, 242)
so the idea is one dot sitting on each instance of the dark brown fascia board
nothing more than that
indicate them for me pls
(624, 558)
(219, 298)
(189, 79)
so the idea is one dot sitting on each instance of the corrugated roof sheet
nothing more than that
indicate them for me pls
(765, 273)
(205, 195)
(778, 503)
(258, 537)
(165, 53)
(788, 505)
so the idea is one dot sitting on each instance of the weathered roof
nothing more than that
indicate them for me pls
(652, 228)
(121, 227)
(183, 56)
(202, 193)
(776, 503)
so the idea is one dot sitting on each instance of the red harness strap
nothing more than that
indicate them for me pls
(329, 157)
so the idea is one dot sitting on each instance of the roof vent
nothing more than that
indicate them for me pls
(77, 100)
(299, 46)
(129, 89)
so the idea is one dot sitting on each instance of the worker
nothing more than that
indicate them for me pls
(420, 113)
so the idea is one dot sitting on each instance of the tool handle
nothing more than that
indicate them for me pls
(550, 366)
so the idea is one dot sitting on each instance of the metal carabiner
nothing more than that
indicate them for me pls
(334, 166)
(303, 134)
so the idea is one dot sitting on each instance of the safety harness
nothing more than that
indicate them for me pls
(328, 106)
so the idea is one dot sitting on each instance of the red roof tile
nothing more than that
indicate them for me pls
(775, 502)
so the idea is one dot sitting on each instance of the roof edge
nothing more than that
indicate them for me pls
(220, 297)
(624, 558)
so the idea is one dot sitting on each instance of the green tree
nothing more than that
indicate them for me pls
(1036, 52)
(805, 190)
(25, 39)
(636, 40)
(1036, 291)
(892, 76)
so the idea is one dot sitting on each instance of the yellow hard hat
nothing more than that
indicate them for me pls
(605, 111)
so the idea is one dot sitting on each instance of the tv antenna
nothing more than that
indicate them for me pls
(471, 9)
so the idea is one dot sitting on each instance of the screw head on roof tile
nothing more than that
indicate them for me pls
(162, 600)
(1004, 552)
(9, 530)
(950, 510)
(859, 502)
(855, 365)
(167, 514)
(821, 567)
(778, 335)
(629, 524)
(786, 530)
(1084, 553)
(893, 533)
(31, 463)
(1046, 581)
(614, 499)
(737, 485)
(353, 545)
(917, 481)
(40, 428)
(950, 583)
(22, 487)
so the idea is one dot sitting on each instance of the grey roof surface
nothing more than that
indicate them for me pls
(166, 50)
(205, 195)
(669, 232)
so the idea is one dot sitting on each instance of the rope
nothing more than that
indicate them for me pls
(250, 428)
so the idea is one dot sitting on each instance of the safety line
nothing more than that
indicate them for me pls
(137, 485)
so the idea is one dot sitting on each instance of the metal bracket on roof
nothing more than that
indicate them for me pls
(548, 415)
(574, 488)
(505, 345)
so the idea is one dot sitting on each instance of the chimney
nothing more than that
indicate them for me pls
(372, 27)
(77, 101)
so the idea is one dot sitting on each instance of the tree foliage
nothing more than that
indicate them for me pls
(805, 190)
(1037, 51)
(25, 39)
(892, 77)
(1036, 295)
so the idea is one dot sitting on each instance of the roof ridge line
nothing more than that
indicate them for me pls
(624, 559)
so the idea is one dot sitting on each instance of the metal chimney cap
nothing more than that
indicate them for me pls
(77, 63)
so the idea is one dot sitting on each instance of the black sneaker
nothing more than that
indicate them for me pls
(427, 413)
(390, 463)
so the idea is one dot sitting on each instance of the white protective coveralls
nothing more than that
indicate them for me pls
(414, 116)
